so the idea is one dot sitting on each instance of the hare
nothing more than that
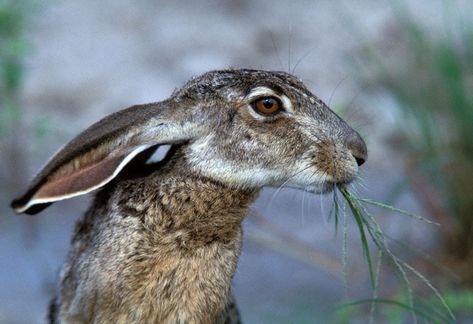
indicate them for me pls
(161, 240)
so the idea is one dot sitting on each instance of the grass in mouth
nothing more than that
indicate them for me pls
(369, 229)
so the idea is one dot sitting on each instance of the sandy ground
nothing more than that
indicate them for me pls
(89, 58)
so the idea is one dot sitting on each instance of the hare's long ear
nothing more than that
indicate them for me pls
(97, 155)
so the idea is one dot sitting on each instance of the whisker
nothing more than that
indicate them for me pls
(283, 184)
(301, 58)
(276, 50)
(302, 210)
(322, 178)
(361, 185)
(322, 206)
(354, 110)
(335, 89)
(289, 49)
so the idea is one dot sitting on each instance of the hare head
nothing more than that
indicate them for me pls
(245, 128)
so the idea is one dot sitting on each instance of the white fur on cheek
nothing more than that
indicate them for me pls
(204, 158)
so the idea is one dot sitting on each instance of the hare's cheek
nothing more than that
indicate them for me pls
(236, 164)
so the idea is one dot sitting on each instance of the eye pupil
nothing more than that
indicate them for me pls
(268, 103)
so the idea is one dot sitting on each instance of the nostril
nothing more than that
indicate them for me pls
(357, 147)
(359, 160)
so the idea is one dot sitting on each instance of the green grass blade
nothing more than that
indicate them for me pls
(436, 292)
(360, 222)
(375, 290)
(345, 252)
(378, 237)
(337, 210)
(395, 209)
(367, 224)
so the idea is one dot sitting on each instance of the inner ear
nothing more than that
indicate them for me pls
(89, 177)
(77, 178)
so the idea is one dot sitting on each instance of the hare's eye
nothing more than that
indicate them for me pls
(267, 105)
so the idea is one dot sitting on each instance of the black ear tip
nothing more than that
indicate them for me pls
(17, 205)
(35, 209)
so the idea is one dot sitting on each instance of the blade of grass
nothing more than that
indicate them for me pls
(378, 238)
(375, 290)
(436, 292)
(344, 252)
(427, 257)
(400, 264)
(337, 210)
(359, 221)
(395, 209)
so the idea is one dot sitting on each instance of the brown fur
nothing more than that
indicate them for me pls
(175, 240)
(161, 242)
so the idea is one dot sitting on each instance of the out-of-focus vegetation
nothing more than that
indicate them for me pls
(12, 51)
(396, 309)
(429, 75)
(13, 48)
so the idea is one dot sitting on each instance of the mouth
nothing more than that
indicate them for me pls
(323, 182)
(325, 188)
(328, 187)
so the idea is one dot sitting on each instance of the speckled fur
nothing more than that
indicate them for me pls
(161, 242)
(161, 250)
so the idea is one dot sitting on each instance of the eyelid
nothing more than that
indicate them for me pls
(260, 92)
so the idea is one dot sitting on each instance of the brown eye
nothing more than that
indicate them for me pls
(267, 105)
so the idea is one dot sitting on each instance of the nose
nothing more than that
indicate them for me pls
(357, 147)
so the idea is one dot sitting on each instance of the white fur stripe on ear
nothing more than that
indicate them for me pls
(37, 199)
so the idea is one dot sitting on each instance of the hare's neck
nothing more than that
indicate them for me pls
(192, 240)
(192, 211)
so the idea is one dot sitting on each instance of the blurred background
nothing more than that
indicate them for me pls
(400, 72)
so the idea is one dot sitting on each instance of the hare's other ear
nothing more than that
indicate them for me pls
(97, 155)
